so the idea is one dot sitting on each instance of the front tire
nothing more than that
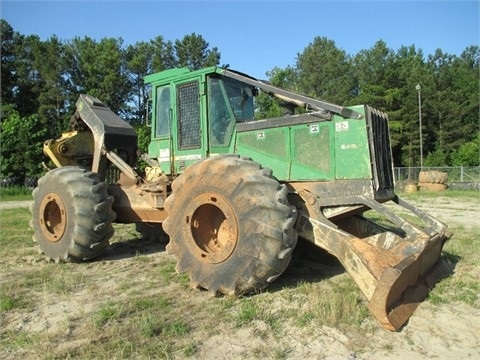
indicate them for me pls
(71, 214)
(230, 225)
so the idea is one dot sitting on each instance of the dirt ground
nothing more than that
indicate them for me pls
(434, 331)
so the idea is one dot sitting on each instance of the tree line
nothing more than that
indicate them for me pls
(41, 81)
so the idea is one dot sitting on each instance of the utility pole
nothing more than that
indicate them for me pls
(420, 124)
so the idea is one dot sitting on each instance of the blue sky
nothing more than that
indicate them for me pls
(256, 36)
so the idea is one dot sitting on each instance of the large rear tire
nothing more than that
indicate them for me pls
(230, 224)
(71, 214)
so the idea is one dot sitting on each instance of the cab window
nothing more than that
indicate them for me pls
(162, 126)
(219, 114)
(229, 101)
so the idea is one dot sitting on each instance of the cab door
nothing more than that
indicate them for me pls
(189, 127)
(177, 134)
(161, 146)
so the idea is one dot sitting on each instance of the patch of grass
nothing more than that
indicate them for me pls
(153, 322)
(461, 253)
(9, 302)
(452, 194)
(304, 318)
(183, 279)
(107, 313)
(60, 278)
(167, 271)
(160, 303)
(17, 193)
(247, 312)
(463, 290)
(281, 352)
(329, 303)
(149, 326)
(14, 294)
(15, 233)
(176, 327)
(190, 350)
(228, 302)
(141, 258)
(336, 303)
(12, 341)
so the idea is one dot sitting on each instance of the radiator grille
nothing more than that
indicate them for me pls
(188, 110)
(379, 136)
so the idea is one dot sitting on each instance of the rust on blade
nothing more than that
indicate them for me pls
(402, 288)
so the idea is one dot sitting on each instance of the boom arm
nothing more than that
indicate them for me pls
(295, 98)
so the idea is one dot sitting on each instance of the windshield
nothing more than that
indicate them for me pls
(240, 96)
(229, 101)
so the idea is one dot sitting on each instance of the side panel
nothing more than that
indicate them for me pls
(335, 149)
(352, 153)
(312, 152)
(295, 152)
(268, 147)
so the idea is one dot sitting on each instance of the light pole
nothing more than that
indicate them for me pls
(420, 124)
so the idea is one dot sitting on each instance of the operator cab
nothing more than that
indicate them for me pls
(193, 115)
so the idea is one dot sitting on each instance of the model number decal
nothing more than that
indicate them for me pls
(314, 129)
(348, 146)
(341, 126)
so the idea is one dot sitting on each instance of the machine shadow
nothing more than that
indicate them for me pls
(309, 264)
(312, 264)
(131, 248)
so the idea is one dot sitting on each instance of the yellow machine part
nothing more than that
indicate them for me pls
(152, 173)
(70, 147)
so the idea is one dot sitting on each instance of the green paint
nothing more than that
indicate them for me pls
(204, 108)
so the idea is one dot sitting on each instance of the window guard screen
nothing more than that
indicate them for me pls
(188, 110)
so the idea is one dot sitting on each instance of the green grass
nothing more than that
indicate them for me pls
(8, 302)
(452, 194)
(17, 193)
(461, 254)
(15, 233)
(107, 314)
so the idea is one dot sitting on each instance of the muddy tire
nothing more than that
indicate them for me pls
(71, 215)
(230, 224)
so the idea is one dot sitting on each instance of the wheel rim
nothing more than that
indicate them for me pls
(213, 228)
(53, 218)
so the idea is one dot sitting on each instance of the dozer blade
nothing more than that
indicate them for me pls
(394, 269)
(401, 288)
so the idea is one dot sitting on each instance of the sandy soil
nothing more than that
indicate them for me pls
(433, 332)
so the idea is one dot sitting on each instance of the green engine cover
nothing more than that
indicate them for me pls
(306, 150)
